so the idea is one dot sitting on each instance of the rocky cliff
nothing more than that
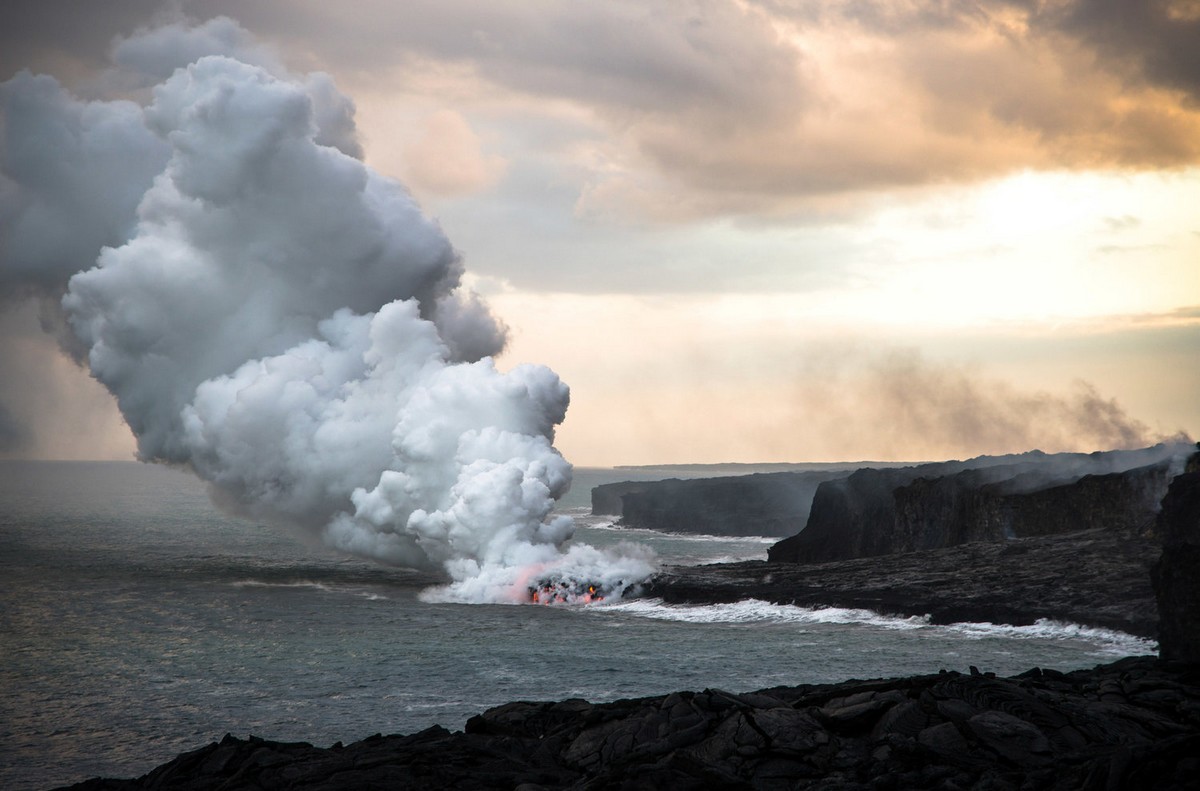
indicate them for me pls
(1097, 578)
(764, 504)
(854, 503)
(1177, 574)
(608, 499)
(881, 512)
(760, 504)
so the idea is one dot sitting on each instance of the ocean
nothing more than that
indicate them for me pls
(137, 621)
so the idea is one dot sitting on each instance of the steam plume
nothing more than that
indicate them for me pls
(274, 315)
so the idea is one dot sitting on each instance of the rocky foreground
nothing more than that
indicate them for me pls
(1133, 724)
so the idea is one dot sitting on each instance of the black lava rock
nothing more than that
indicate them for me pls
(1131, 724)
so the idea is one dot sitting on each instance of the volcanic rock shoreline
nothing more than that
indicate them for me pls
(1131, 724)
(1094, 578)
(1011, 539)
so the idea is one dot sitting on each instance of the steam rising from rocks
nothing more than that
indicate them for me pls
(274, 315)
(898, 404)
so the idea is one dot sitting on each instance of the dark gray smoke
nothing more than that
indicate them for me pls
(900, 405)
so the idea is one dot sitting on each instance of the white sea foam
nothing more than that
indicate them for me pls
(1109, 641)
(756, 611)
(312, 585)
(266, 584)
(642, 532)
(708, 539)
(722, 559)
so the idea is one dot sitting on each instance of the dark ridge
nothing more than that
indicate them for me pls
(763, 504)
(1010, 543)
(853, 504)
(882, 512)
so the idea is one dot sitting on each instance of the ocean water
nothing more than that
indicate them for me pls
(136, 622)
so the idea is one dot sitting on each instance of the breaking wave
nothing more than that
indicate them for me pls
(1111, 640)
(757, 611)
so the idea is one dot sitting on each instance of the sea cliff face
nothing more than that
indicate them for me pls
(882, 512)
(1177, 574)
(1070, 537)
(842, 513)
(765, 504)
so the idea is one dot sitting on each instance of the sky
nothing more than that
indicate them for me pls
(749, 231)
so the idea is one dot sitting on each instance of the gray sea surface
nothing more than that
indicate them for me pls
(137, 621)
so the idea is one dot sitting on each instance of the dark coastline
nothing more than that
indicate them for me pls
(1131, 724)
(1093, 578)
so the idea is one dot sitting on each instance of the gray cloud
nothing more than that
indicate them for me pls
(883, 17)
(699, 57)
(153, 54)
(1156, 39)
(65, 37)
(710, 108)
(71, 176)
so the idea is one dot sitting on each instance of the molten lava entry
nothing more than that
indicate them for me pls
(565, 592)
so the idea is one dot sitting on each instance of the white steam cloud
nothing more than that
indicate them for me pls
(274, 315)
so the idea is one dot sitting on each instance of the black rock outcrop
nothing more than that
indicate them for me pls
(852, 512)
(764, 504)
(995, 544)
(1131, 724)
(1177, 574)
(760, 504)
(879, 512)
(1096, 578)
(609, 498)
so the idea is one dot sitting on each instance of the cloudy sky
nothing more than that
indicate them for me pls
(756, 230)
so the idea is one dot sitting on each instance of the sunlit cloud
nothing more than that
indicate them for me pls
(667, 202)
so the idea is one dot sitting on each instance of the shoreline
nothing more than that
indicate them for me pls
(1132, 723)
(1092, 578)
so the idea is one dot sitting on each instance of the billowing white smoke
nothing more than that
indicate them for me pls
(273, 314)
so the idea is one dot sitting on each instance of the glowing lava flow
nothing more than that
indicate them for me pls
(563, 592)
